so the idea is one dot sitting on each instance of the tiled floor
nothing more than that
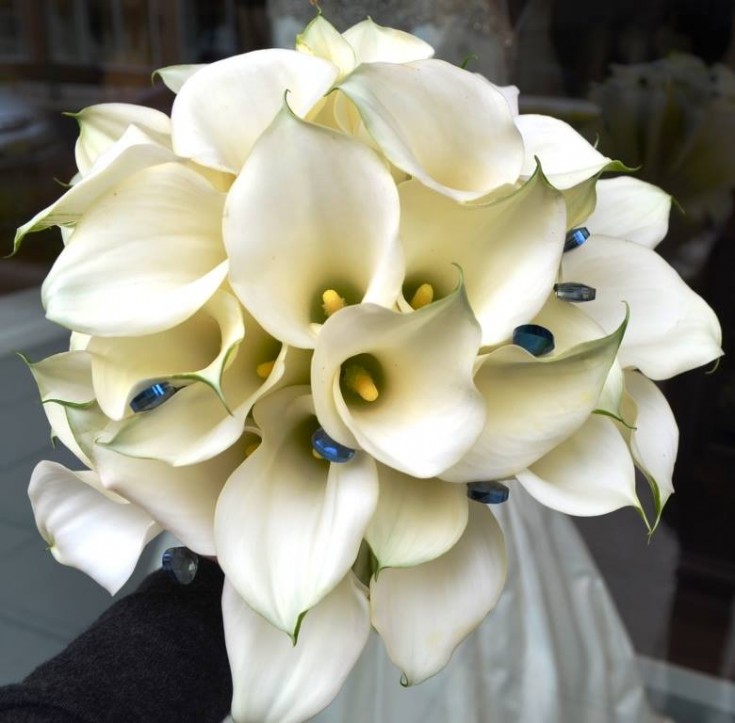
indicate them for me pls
(43, 605)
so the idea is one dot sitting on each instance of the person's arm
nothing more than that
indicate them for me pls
(156, 655)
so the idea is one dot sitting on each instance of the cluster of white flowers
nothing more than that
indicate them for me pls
(340, 299)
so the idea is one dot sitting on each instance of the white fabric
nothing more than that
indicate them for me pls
(552, 651)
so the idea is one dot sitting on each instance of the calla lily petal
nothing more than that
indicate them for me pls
(78, 428)
(591, 473)
(86, 529)
(340, 231)
(288, 526)
(61, 430)
(484, 150)
(132, 153)
(612, 395)
(194, 424)
(510, 93)
(161, 231)
(322, 40)
(196, 350)
(630, 209)
(570, 325)
(423, 613)
(223, 108)
(429, 412)
(174, 76)
(654, 440)
(503, 247)
(181, 499)
(416, 520)
(102, 125)
(65, 378)
(275, 681)
(78, 341)
(566, 157)
(581, 201)
(373, 43)
(533, 404)
(671, 328)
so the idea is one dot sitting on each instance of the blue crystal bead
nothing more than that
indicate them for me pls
(572, 291)
(537, 340)
(329, 449)
(575, 238)
(180, 563)
(489, 493)
(152, 397)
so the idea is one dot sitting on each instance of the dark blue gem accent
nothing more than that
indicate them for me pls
(329, 449)
(152, 397)
(572, 291)
(575, 238)
(180, 564)
(537, 340)
(489, 493)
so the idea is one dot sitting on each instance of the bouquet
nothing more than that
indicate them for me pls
(323, 317)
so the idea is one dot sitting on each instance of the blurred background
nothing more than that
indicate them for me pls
(651, 82)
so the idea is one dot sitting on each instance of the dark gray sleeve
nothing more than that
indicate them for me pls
(156, 655)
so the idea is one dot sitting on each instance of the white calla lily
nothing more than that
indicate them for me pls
(503, 247)
(654, 439)
(65, 377)
(133, 152)
(79, 428)
(416, 520)
(428, 412)
(275, 681)
(630, 209)
(61, 430)
(198, 423)
(533, 404)
(322, 40)
(566, 157)
(181, 499)
(510, 93)
(103, 125)
(339, 234)
(289, 526)
(591, 473)
(373, 43)
(571, 326)
(159, 231)
(87, 528)
(611, 398)
(581, 201)
(671, 329)
(195, 351)
(174, 76)
(424, 612)
(65, 233)
(192, 426)
(78, 341)
(222, 109)
(65, 380)
(483, 152)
